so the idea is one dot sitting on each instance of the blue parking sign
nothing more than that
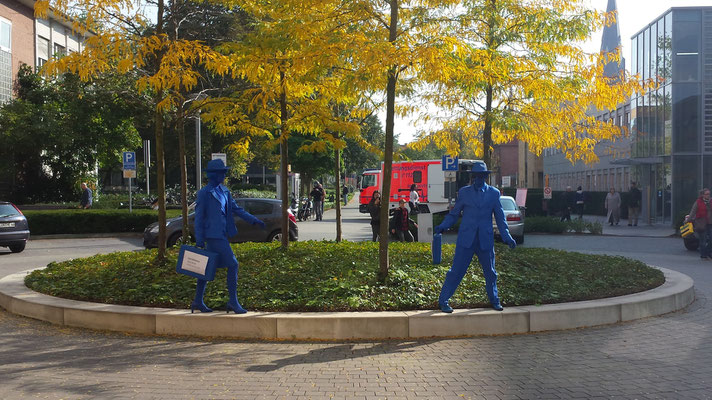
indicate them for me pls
(129, 160)
(449, 163)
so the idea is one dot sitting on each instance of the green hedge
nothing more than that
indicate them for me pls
(52, 222)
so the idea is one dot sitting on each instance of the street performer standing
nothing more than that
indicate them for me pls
(477, 203)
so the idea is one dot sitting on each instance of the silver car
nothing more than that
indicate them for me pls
(267, 210)
(514, 215)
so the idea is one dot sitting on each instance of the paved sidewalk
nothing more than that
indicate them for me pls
(622, 229)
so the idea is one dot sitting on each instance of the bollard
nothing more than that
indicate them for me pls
(437, 248)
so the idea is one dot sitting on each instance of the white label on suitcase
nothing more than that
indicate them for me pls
(194, 262)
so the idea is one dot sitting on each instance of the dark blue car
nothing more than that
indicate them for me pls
(14, 231)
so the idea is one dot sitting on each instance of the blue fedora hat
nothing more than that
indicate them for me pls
(216, 165)
(479, 167)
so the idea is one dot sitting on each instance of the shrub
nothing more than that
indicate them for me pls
(544, 225)
(52, 222)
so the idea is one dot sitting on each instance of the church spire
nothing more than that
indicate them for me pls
(610, 40)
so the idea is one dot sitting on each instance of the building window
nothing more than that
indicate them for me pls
(5, 60)
(59, 50)
(5, 35)
(42, 51)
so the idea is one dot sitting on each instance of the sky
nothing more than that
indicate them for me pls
(633, 16)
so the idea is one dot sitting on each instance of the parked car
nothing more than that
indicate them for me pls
(267, 210)
(515, 219)
(14, 231)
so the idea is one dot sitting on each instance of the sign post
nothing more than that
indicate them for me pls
(450, 165)
(547, 193)
(130, 172)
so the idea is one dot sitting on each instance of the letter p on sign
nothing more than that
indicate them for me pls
(449, 163)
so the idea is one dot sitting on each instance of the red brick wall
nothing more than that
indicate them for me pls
(508, 158)
(23, 33)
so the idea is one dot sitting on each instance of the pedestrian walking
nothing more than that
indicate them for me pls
(634, 200)
(477, 203)
(401, 223)
(345, 194)
(701, 218)
(613, 205)
(580, 199)
(568, 204)
(323, 200)
(374, 208)
(317, 195)
(86, 199)
(414, 199)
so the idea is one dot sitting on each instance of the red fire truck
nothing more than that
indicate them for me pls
(436, 188)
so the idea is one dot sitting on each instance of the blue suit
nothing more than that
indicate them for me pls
(214, 224)
(476, 236)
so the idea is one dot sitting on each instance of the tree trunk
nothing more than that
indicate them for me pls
(160, 163)
(388, 151)
(183, 171)
(284, 159)
(337, 174)
(487, 133)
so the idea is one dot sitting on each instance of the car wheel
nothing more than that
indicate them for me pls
(176, 239)
(275, 236)
(692, 243)
(519, 239)
(16, 248)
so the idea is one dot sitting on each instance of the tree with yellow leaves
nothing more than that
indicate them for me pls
(290, 62)
(120, 36)
(520, 72)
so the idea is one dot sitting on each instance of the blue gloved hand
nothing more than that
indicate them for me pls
(260, 224)
(511, 243)
(438, 229)
(200, 245)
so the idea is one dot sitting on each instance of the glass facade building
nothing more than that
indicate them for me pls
(671, 126)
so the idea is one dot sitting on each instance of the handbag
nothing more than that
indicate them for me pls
(686, 229)
(197, 262)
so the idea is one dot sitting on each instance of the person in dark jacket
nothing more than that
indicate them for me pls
(634, 200)
(580, 199)
(374, 208)
(86, 197)
(569, 201)
(401, 223)
(317, 195)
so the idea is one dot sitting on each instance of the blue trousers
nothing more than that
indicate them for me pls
(460, 264)
(705, 238)
(226, 259)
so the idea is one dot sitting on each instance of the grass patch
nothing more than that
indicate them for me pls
(329, 276)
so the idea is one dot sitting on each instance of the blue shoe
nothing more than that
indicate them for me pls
(445, 307)
(236, 308)
(497, 306)
(200, 307)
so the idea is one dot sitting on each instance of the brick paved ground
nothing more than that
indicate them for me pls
(666, 357)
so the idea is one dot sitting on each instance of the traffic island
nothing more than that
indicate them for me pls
(675, 294)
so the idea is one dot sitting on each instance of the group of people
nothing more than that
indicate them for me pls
(401, 222)
(574, 201)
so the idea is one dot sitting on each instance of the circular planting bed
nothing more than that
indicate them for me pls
(330, 276)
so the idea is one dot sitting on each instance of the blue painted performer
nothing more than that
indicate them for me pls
(214, 224)
(476, 202)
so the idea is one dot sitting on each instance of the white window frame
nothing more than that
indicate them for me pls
(7, 21)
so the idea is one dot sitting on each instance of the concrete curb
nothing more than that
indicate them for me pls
(676, 293)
